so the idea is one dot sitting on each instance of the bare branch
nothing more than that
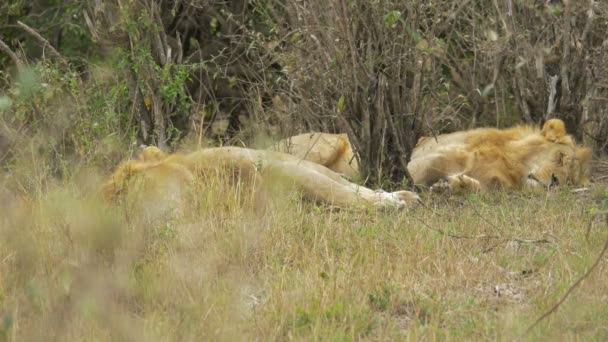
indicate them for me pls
(589, 24)
(565, 58)
(519, 98)
(43, 42)
(6, 49)
(447, 23)
(552, 102)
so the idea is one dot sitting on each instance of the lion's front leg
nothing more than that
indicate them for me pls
(328, 187)
(458, 184)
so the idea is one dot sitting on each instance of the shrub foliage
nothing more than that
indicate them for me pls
(95, 74)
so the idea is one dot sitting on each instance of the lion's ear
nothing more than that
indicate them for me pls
(421, 141)
(554, 130)
(561, 158)
(583, 154)
(152, 154)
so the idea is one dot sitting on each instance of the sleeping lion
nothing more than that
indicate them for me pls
(479, 160)
(171, 176)
(333, 151)
(487, 158)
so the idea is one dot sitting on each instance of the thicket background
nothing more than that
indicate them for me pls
(84, 83)
(84, 79)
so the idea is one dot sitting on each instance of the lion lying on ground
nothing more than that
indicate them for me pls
(488, 158)
(173, 175)
(478, 159)
(333, 151)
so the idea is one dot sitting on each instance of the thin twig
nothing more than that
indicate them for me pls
(509, 239)
(486, 220)
(447, 23)
(567, 294)
(442, 232)
(309, 149)
(590, 225)
(529, 240)
(482, 236)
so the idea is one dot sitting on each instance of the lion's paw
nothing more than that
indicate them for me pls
(397, 199)
(407, 197)
(463, 183)
(457, 184)
(441, 186)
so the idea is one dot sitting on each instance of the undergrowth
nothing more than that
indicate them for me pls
(480, 267)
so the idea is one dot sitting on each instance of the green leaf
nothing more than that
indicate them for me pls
(391, 18)
(341, 104)
(416, 37)
(295, 37)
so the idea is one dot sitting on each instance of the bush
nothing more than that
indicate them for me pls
(170, 73)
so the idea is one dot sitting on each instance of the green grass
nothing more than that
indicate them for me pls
(75, 268)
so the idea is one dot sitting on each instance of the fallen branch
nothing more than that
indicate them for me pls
(574, 286)
(442, 232)
(590, 225)
(44, 42)
(482, 236)
(486, 220)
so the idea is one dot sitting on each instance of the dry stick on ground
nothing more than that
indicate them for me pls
(442, 232)
(574, 286)
(510, 239)
(482, 236)
(590, 225)
(520, 241)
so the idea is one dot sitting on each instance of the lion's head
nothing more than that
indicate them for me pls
(554, 130)
(561, 164)
(153, 182)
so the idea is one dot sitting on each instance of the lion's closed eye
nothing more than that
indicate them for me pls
(554, 180)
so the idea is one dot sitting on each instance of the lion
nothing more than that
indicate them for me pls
(483, 159)
(333, 151)
(171, 175)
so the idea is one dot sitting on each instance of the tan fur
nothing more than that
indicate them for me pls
(178, 172)
(555, 130)
(152, 154)
(489, 158)
(333, 151)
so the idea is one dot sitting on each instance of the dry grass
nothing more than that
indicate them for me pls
(74, 268)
